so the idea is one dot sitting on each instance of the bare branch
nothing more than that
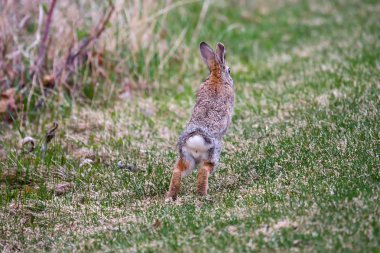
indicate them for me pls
(43, 45)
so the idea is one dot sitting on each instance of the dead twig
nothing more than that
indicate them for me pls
(49, 136)
(41, 52)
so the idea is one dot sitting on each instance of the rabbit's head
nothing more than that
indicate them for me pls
(216, 62)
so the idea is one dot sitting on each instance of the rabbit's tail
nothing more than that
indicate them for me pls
(197, 137)
(196, 143)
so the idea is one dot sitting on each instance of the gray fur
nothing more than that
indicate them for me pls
(213, 109)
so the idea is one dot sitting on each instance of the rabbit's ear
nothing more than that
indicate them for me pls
(207, 54)
(220, 53)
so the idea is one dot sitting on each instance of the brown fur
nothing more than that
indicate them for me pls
(175, 182)
(202, 180)
(213, 108)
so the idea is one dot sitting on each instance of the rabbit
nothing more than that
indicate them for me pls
(201, 141)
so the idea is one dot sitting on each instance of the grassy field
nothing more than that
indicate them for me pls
(300, 168)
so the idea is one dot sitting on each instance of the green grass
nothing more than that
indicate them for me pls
(300, 165)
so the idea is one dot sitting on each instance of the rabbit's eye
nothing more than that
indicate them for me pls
(229, 71)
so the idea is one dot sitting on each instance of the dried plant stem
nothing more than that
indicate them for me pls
(43, 45)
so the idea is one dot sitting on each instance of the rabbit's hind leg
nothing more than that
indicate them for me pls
(202, 181)
(182, 167)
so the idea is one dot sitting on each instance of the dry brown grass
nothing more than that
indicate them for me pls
(124, 55)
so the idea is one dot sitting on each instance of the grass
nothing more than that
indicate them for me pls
(300, 165)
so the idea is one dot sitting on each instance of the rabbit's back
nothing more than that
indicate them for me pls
(213, 108)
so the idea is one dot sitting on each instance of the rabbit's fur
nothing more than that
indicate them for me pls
(201, 141)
